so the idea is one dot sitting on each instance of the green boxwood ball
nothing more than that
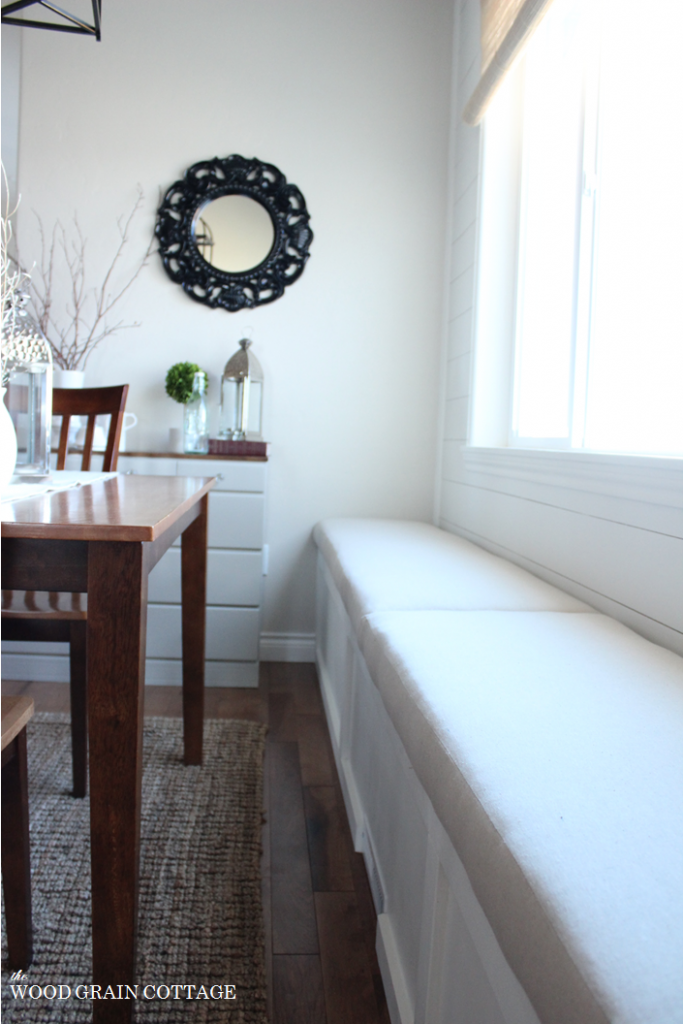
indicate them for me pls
(179, 381)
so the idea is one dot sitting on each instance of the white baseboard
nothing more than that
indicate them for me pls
(54, 668)
(42, 668)
(287, 647)
(167, 672)
(50, 662)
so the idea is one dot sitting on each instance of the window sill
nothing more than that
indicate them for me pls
(658, 480)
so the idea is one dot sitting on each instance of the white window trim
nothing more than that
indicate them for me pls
(644, 478)
(656, 480)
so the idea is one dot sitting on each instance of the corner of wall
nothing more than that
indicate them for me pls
(445, 324)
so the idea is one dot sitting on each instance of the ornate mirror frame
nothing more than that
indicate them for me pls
(233, 175)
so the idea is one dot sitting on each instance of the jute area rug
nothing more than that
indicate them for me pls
(200, 917)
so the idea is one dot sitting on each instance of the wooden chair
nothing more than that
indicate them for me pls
(37, 615)
(91, 402)
(16, 860)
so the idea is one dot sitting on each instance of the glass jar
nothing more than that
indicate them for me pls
(27, 366)
(196, 419)
(241, 396)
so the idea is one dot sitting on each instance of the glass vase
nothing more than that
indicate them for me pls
(27, 365)
(8, 445)
(196, 419)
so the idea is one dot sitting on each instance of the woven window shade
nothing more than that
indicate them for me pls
(506, 25)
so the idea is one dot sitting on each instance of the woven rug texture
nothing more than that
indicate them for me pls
(200, 916)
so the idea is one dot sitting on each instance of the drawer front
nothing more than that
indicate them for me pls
(232, 577)
(73, 462)
(230, 476)
(236, 520)
(148, 467)
(232, 634)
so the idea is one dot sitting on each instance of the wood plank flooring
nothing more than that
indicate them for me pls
(319, 916)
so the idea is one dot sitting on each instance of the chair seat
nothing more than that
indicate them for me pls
(15, 846)
(16, 712)
(41, 604)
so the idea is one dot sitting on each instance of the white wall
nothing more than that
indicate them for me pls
(605, 530)
(350, 100)
(11, 77)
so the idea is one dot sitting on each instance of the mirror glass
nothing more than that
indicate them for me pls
(233, 233)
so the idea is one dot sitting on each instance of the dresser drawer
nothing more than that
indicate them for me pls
(232, 634)
(230, 476)
(140, 466)
(232, 577)
(236, 520)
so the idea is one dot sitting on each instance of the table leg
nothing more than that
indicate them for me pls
(117, 618)
(79, 706)
(193, 575)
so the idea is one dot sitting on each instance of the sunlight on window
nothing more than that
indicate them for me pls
(599, 322)
(551, 176)
(635, 392)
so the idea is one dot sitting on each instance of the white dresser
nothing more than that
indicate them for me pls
(237, 561)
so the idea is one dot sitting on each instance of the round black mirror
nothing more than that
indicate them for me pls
(233, 232)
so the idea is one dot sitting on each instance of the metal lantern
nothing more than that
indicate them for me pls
(241, 396)
(27, 364)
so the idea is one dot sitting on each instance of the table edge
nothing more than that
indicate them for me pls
(106, 531)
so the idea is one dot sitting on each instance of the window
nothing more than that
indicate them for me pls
(580, 321)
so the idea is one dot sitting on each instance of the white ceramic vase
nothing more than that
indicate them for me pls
(67, 378)
(8, 444)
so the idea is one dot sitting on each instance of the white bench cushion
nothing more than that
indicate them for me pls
(388, 564)
(551, 747)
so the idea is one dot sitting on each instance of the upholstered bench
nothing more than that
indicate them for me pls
(514, 775)
(387, 564)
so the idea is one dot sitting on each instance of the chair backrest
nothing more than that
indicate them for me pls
(90, 402)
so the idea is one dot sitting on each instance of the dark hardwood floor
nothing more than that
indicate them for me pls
(319, 916)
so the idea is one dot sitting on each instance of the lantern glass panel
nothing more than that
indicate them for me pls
(241, 396)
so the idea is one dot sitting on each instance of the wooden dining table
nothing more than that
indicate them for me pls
(103, 538)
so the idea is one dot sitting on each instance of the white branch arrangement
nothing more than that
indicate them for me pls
(74, 337)
(13, 280)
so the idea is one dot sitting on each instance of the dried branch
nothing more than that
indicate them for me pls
(13, 280)
(74, 337)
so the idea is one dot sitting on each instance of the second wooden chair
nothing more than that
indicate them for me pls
(48, 617)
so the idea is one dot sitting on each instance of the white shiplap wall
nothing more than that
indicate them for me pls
(609, 531)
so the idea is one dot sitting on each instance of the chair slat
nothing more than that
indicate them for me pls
(40, 604)
(63, 442)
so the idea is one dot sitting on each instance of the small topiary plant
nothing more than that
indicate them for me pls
(179, 381)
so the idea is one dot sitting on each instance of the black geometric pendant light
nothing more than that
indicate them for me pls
(69, 22)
